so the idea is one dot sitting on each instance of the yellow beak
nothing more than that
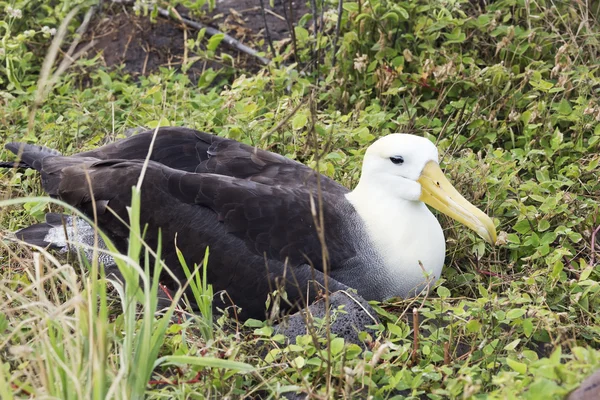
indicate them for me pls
(439, 193)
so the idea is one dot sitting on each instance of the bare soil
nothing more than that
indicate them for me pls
(142, 46)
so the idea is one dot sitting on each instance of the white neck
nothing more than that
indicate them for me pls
(404, 232)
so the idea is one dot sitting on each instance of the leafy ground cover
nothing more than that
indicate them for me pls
(508, 91)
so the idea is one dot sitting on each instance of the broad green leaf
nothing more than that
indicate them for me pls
(337, 345)
(515, 313)
(543, 225)
(298, 362)
(161, 122)
(517, 366)
(527, 327)
(395, 329)
(214, 41)
(443, 292)
(512, 345)
(473, 326)
(522, 226)
(299, 121)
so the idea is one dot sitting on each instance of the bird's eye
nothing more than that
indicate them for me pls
(397, 159)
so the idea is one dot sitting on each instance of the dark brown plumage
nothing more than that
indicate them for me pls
(251, 207)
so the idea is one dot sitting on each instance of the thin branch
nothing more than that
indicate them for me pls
(290, 24)
(319, 220)
(267, 33)
(415, 317)
(82, 28)
(283, 121)
(228, 40)
(338, 27)
(315, 47)
(593, 245)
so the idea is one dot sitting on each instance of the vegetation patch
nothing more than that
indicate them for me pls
(509, 93)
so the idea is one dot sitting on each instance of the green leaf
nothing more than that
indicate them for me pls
(513, 238)
(210, 362)
(395, 329)
(161, 122)
(585, 274)
(556, 140)
(337, 345)
(473, 326)
(515, 313)
(574, 237)
(556, 355)
(443, 292)
(402, 12)
(522, 226)
(564, 107)
(557, 269)
(105, 78)
(543, 225)
(253, 323)
(456, 36)
(517, 366)
(391, 16)
(214, 41)
(298, 362)
(301, 34)
(512, 345)
(264, 331)
(548, 238)
(299, 121)
(528, 327)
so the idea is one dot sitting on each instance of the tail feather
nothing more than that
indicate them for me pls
(31, 155)
(14, 164)
(36, 235)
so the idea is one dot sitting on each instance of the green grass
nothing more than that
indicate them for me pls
(508, 93)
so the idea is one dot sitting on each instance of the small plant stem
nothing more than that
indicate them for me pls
(315, 47)
(283, 121)
(415, 335)
(320, 224)
(338, 27)
(267, 32)
(593, 246)
(446, 353)
(289, 18)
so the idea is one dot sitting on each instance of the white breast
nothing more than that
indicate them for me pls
(407, 235)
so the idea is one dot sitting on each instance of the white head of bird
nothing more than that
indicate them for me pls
(400, 173)
(396, 162)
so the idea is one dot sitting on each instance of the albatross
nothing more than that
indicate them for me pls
(256, 211)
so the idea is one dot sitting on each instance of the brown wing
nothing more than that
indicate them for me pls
(245, 224)
(194, 151)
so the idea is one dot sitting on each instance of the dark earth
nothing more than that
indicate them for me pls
(142, 46)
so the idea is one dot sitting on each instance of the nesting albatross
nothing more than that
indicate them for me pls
(254, 210)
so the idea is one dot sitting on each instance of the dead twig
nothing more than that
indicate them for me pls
(415, 336)
(315, 47)
(283, 121)
(446, 353)
(267, 32)
(319, 221)
(228, 40)
(289, 18)
(593, 245)
(338, 26)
